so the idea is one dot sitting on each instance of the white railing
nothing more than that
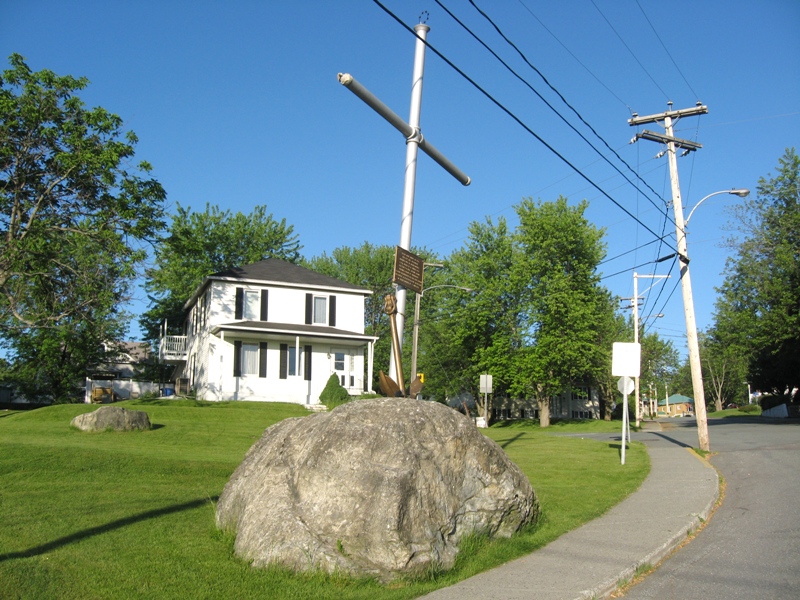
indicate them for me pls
(172, 347)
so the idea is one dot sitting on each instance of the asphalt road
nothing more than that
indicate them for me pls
(750, 548)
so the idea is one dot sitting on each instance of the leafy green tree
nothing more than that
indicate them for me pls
(758, 308)
(76, 214)
(199, 244)
(660, 362)
(611, 327)
(466, 334)
(724, 370)
(565, 303)
(65, 181)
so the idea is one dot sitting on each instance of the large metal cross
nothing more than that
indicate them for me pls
(414, 142)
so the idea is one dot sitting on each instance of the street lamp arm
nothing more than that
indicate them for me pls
(741, 193)
(433, 287)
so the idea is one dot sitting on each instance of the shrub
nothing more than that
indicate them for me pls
(334, 394)
(750, 408)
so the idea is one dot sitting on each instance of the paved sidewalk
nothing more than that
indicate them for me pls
(588, 562)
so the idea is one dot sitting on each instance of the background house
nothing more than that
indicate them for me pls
(271, 331)
(675, 406)
(123, 375)
(581, 402)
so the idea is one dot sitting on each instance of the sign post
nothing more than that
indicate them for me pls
(486, 389)
(625, 364)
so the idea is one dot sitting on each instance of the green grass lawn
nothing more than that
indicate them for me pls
(751, 410)
(131, 515)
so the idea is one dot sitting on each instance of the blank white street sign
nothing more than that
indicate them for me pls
(626, 359)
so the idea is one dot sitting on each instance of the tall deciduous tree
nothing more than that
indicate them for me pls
(659, 363)
(466, 334)
(758, 309)
(565, 302)
(201, 243)
(74, 214)
(724, 370)
(65, 181)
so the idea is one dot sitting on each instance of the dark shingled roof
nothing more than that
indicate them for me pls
(281, 271)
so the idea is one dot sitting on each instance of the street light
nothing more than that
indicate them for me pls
(416, 323)
(688, 309)
(741, 193)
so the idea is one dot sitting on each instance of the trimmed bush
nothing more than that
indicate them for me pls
(334, 394)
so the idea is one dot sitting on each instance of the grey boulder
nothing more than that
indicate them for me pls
(373, 488)
(112, 417)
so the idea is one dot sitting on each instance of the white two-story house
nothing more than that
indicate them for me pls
(272, 331)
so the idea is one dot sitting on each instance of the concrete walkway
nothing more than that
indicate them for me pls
(589, 562)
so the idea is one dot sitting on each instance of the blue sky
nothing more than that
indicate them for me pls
(238, 104)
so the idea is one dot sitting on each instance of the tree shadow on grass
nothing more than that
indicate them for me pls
(506, 443)
(100, 529)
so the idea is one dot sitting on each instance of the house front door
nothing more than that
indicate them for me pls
(343, 363)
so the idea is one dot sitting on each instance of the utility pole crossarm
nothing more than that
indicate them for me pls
(398, 123)
(700, 109)
(665, 139)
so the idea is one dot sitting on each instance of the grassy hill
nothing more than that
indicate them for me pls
(131, 515)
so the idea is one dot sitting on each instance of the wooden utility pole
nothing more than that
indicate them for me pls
(687, 146)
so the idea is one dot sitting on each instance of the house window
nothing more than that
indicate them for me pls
(293, 360)
(581, 394)
(252, 305)
(249, 359)
(338, 361)
(320, 310)
(292, 365)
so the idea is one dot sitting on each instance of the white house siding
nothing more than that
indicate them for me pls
(220, 383)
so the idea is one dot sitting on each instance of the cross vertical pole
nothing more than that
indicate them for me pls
(412, 150)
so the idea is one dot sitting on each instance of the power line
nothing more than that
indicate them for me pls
(512, 115)
(650, 262)
(674, 287)
(627, 252)
(629, 50)
(550, 106)
(661, 289)
(625, 104)
(666, 50)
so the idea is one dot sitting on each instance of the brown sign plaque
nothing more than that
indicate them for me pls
(407, 269)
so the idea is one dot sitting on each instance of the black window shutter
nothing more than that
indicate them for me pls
(284, 365)
(262, 359)
(264, 305)
(237, 358)
(307, 374)
(332, 311)
(309, 308)
(239, 303)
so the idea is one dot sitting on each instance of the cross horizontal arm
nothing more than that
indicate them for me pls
(398, 123)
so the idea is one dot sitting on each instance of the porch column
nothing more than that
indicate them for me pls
(370, 353)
